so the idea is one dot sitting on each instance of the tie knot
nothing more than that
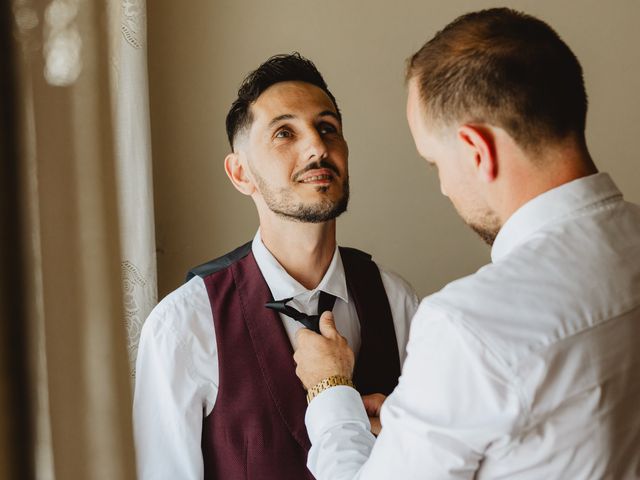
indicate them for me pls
(312, 322)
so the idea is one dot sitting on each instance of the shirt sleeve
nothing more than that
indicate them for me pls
(453, 400)
(173, 391)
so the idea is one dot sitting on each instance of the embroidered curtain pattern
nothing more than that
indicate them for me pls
(130, 105)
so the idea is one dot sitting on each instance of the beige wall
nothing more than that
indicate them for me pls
(199, 52)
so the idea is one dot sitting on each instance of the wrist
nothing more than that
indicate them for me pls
(326, 383)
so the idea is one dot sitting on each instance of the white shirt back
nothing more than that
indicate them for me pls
(560, 309)
(528, 369)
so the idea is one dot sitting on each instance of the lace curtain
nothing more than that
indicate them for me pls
(130, 105)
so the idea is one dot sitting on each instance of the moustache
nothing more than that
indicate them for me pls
(315, 166)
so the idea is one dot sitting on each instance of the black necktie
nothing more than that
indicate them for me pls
(312, 322)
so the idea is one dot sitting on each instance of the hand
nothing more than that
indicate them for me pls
(320, 356)
(373, 405)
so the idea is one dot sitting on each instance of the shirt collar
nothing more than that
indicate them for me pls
(283, 285)
(551, 206)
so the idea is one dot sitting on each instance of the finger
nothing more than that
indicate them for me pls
(376, 426)
(301, 333)
(373, 403)
(327, 325)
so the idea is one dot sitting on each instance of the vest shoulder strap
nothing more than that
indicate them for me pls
(230, 258)
(354, 253)
(220, 263)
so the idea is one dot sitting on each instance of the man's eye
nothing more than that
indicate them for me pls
(283, 134)
(325, 128)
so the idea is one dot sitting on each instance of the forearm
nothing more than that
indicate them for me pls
(338, 427)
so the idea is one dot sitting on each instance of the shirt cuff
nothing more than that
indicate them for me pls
(333, 407)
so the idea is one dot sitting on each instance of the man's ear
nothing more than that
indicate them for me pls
(237, 173)
(481, 143)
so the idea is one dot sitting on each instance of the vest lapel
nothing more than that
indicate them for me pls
(272, 347)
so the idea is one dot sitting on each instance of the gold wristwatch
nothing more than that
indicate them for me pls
(332, 381)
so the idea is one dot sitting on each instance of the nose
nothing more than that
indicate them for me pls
(315, 146)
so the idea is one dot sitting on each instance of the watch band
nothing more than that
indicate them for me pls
(332, 381)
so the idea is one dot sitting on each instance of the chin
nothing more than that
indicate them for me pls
(486, 224)
(314, 212)
(488, 235)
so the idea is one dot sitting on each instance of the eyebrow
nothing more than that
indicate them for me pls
(279, 118)
(329, 113)
(288, 116)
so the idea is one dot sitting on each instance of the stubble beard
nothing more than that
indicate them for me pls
(281, 203)
(485, 223)
(486, 233)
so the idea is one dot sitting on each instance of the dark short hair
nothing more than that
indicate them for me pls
(506, 68)
(279, 68)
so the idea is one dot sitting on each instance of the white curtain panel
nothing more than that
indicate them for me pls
(130, 97)
(78, 376)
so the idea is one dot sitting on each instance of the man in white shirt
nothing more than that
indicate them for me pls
(216, 394)
(530, 368)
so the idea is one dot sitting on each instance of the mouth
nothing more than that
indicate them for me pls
(317, 177)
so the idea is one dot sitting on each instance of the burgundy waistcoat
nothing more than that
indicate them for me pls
(256, 429)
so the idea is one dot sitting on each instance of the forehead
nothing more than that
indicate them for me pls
(294, 98)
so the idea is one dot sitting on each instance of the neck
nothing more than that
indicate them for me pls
(532, 177)
(304, 250)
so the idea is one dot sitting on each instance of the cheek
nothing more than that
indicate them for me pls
(339, 151)
(346, 150)
(284, 156)
(344, 156)
(337, 143)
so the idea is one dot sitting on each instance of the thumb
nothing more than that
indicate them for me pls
(373, 403)
(327, 325)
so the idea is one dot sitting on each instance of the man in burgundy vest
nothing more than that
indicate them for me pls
(216, 395)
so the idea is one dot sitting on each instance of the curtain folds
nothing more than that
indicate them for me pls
(83, 222)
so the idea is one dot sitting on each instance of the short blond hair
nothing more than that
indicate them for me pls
(506, 68)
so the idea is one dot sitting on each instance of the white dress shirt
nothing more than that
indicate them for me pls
(177, 364)
(528, 369)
